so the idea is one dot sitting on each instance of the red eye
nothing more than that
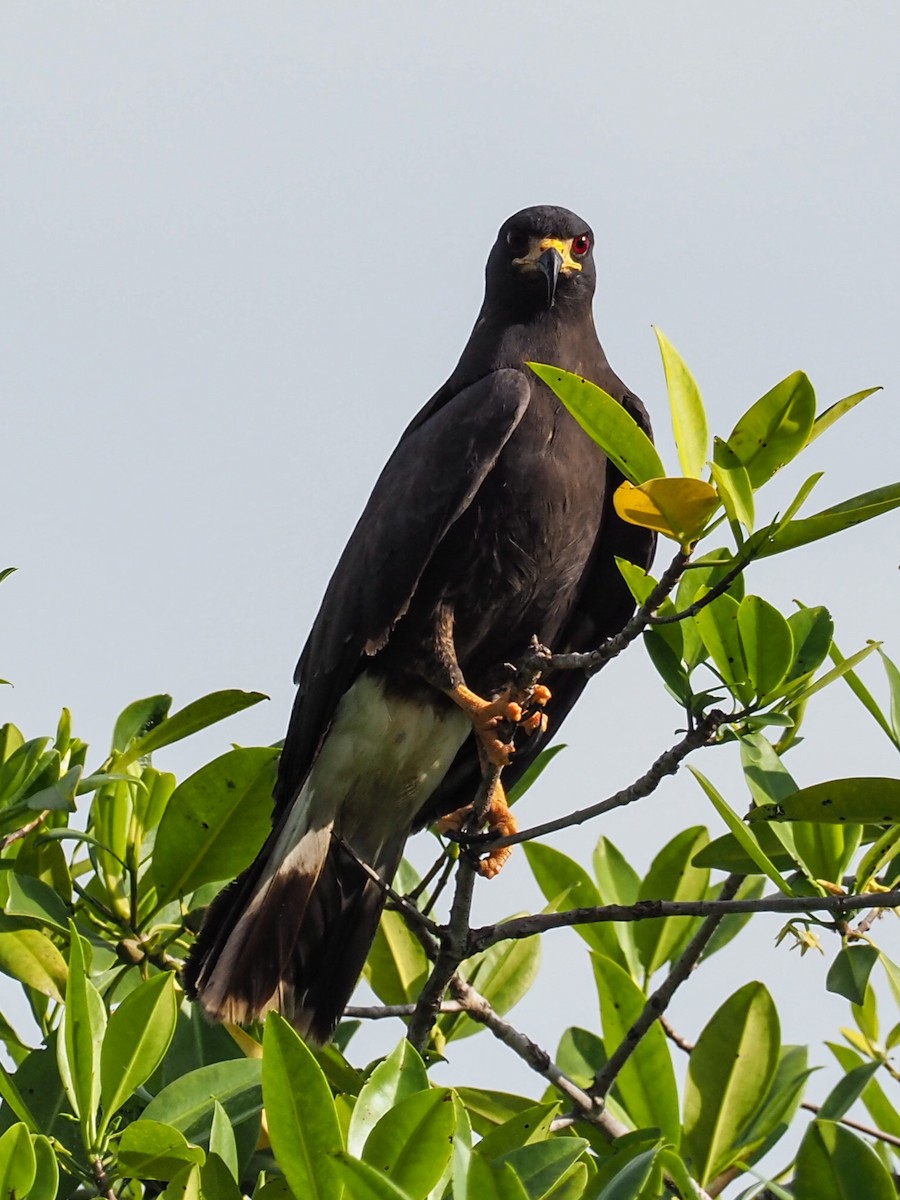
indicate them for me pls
(581, 245)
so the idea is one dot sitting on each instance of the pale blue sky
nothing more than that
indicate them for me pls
(242, 244)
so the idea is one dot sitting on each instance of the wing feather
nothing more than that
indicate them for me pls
(428, 482)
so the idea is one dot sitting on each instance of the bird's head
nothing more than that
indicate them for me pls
(543, 257)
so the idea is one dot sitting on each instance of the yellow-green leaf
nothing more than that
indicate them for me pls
(677, 508)
(688, 414)
(606, 421)
(867, 801)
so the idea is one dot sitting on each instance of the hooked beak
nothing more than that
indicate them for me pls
(550, 264)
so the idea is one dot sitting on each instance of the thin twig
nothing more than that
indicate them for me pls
(454, 948)
(379, 1012)
(869, 1130)
(519, 927)
(674, 1036)
(18, 834)
(442, 882)
(714, 592)
(104, 1187)
(667, 764)
(406, 908)
(659, 1000)
(594, 660)
(480, 1010)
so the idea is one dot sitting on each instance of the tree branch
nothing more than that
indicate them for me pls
(454, 948)
(595, 660)
(379, 1012)
(480, 1010)
(714, 592)
(519, 927)
(659, 1000)
(18, 834)
(667, 764)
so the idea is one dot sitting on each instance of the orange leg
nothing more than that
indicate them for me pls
(500, 820)
(486, 715)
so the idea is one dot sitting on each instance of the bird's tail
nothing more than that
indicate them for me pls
(293, 932)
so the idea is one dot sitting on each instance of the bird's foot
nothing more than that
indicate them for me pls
(512, 706)
(500, 823)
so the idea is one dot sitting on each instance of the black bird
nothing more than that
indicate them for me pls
(491, 523)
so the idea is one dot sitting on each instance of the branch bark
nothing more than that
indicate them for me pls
(659, 1000)
(519, 927)
(667, 764)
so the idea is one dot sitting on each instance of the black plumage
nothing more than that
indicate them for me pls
(491, 523)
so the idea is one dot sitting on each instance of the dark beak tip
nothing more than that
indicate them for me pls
(550, 264)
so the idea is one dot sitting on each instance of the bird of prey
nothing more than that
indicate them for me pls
(491, 524)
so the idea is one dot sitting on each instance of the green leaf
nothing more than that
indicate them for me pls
(534, 771)
(832, 520)
(215, 822)
(487, 1181)
(31, 897)
(364, 1182)
(646, 1084)
(530, 1125)
(618, 883)
(773, 1118)
(879, 1107)
(765, 774)
(729, 1074)
(190, 720)
(606, 421)
(741, 834)
(893, 675)
(412, 1142)
(834, 1164)
(138, 719)
(717, 625)
(657, 642)
(137, 1037)
(630, 1182)
(678, 508)
(882, 851)
(866, 800)
(399, 1075)
(12, 1098)
(571, 1185)
(775, 428)
(30, 957)
(303, 1124)
(862, 693)
(186, 1185)
(567, 885)
(46, 1171)
(672, 876)
(488, 1108)
(688, 414)
(83, 1027)
(733, 484)
(767, 644)
(151, 1150)
(188, 1102)
(216, 1180)
(502, 974)
(848, 975)
(811, 631)
(397, 965)
(847, 1091)
(17, 1162)
(826, 419)
(541, 1165)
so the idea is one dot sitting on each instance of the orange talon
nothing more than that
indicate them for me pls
(500, 821)
(486, 715)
